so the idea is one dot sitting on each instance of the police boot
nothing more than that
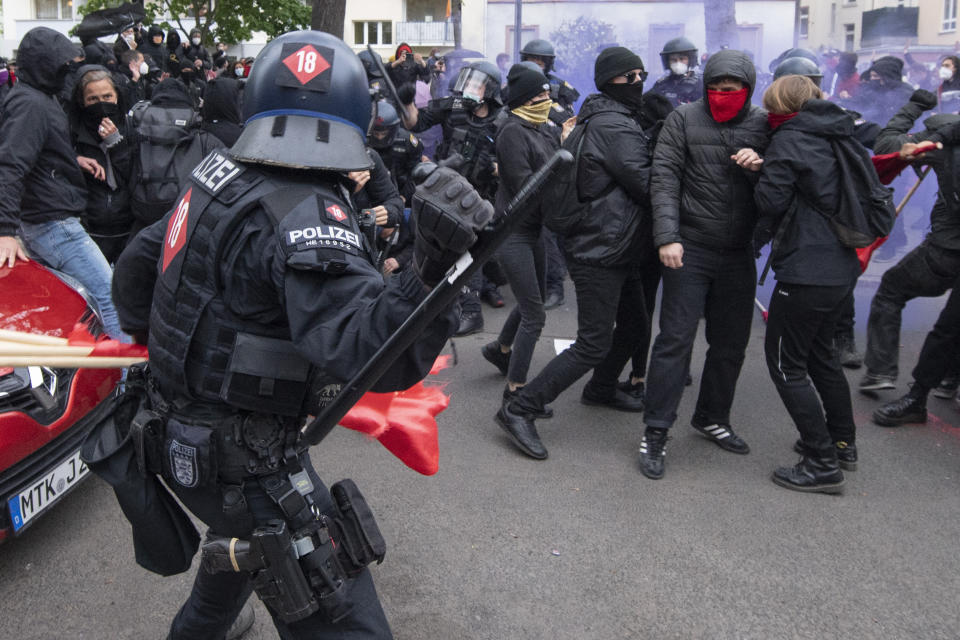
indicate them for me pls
(242, 624)
(470, 322)
(813, 474)
(910, 409)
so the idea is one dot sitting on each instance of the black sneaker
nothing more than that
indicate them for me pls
(811, 475)
(724, 436)
(510, 396)
(846, 453)
(522, 431)
(470, 323)
(906, 410)
(493, 354)
(846, 348)
(636, 390)
(873, 382)
(947, 388)
(653, 448)
(619, 400)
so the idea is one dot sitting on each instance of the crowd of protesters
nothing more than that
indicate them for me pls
(680, 183)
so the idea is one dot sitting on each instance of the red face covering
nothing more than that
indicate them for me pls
(725, 105)
(777, 119)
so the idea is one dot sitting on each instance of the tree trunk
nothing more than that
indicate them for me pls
(328, 15)
(721, 23)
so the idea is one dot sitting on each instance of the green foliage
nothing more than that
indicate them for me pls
(229, 22)
(577, 44)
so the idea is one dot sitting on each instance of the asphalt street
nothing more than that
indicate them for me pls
(498, 546)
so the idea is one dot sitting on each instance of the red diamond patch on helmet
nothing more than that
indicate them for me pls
(337, 213)
(306, 63)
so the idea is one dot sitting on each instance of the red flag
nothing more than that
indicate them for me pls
(404, 421)
(104, 348)
(889, 165)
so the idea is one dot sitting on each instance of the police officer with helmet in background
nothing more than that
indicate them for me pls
(399, 149)
(681, 84)
(564, 96)
(265, 301)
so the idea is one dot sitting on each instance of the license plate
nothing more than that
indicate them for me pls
(29, 503)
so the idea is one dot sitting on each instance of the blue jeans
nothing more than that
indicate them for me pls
(65, 246)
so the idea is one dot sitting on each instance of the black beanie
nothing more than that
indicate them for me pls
(523, 83)
(613, 61)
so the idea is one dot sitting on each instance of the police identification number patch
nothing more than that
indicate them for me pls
(305, 66)
(215, 172)
(183, 464)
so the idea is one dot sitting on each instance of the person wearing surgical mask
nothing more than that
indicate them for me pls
(197, 55)
(680, 84)
(949, 81)
(126, 41)
(134, 66)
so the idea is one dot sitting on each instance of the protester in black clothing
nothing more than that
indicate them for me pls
(153, 45)
(931, 268)
(194, 80)
(523, 145)
(196, 54)
(602, 251)
(6, 83)
(938, 357)
(221, 110)
(881, 91)
(126, 41)
(174, 53)
(704, 170)
(407, 67)
(100, 133)
(815, 274)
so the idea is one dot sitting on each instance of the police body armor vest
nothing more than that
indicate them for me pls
(471, 138)
(199, 349)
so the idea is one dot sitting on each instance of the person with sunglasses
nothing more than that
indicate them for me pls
(603, 253)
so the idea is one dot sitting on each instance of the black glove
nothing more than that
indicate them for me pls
(407, 93)
(924, 99)
(447, 214)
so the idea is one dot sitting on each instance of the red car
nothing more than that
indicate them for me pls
(45, 412)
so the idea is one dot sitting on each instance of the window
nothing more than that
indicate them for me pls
(372, 33)
(53, 9)
(848, 36)
(949, 15)
(804, 22)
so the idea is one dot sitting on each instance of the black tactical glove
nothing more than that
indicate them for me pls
(924, 99)
(407, 93)
(447, 214)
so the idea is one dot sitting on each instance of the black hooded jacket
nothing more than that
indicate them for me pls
(158, 52)
(800, 170)
(221, 110)
(699, 194)
(878, 100)
(613, 178)
(39, 176)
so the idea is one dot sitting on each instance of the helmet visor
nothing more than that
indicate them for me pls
(472, 84)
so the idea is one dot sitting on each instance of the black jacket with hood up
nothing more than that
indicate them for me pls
(613, 178)
(221, 110)
(699, 194)
(39, 176)
(522, 148)
(800, 170)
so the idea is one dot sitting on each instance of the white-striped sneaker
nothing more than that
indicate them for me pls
(724, 436)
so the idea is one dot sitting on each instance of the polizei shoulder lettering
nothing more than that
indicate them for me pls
(323, 235)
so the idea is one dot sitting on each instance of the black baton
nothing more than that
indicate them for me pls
(386, 77)
(436, 301)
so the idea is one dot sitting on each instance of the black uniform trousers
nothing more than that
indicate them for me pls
(802, 362)
(927, 271)
(611, 321)
(717, 285)
(941, 348)
(217, 598)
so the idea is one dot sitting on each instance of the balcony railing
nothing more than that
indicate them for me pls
(424, 33)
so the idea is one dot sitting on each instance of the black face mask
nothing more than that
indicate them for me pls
(629, 95)
(94, 113)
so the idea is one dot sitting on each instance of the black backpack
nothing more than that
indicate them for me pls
(171, 145)
(866, 210)
(561, 196)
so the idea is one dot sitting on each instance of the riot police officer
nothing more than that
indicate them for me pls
(799, 66)
(265, 300)
(468, 118)
(399, 149)
(681, 84)
(564, 96)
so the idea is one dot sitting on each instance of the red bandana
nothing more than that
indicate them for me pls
(725, 105)
(777, 119)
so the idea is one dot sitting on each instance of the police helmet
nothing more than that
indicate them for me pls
(796, 52)
(542, 49)
(798, 66)
(385, 125)
(306, 105)
(680, 46)
(479, 82)
(368, 58)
